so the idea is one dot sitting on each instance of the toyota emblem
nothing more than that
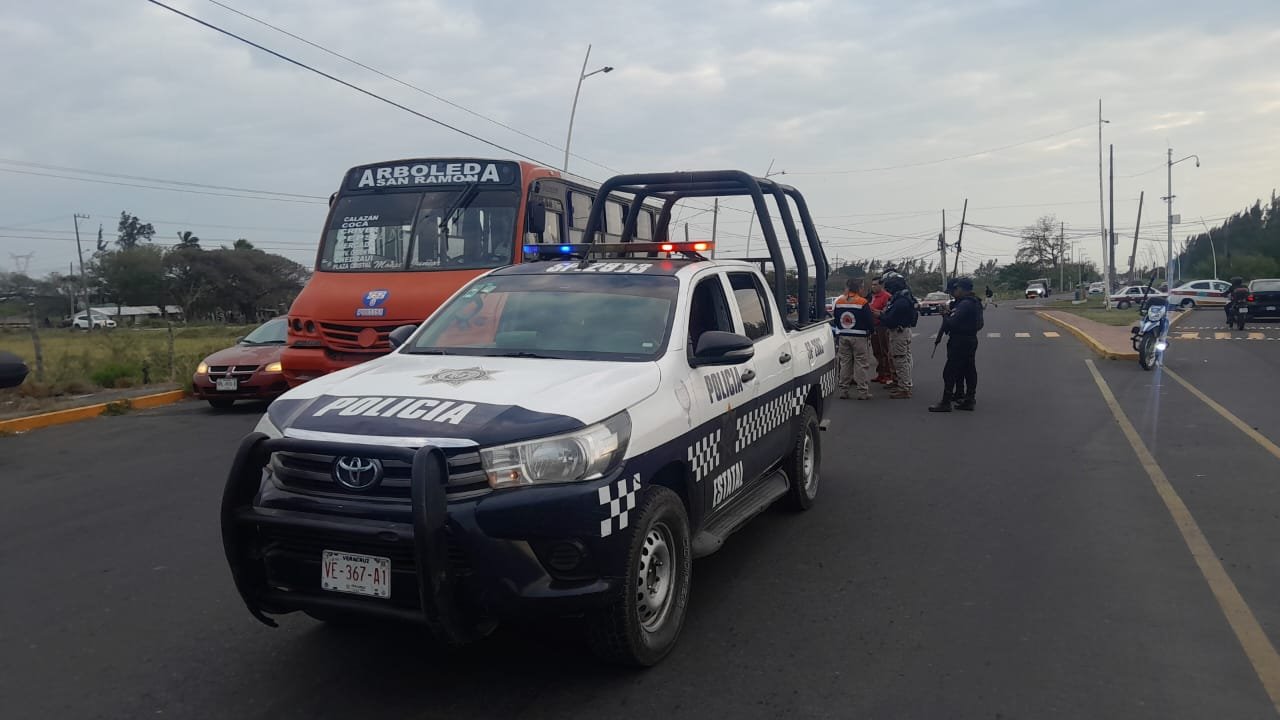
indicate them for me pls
(357, 473)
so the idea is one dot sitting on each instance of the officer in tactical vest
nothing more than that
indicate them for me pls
(961, 324)
(853, 323)
(898, 318)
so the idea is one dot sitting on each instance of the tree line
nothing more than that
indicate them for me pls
(233, 282)
(1247, 244)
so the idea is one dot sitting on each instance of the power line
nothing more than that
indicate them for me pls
(352, 86)
(81, 171)
(154, 187)
(409, 85)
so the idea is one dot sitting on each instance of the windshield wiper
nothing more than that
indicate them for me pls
(464, 197)
(525, 354)
(427, 352)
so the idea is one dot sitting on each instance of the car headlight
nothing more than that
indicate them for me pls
(202, 368)
(273, 367)
(583, 455)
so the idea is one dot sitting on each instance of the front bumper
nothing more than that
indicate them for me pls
(454, 565)
(260, 386)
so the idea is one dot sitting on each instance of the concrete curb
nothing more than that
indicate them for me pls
(62, 417)
(1088, 339)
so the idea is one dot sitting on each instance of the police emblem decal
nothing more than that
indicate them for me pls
(357, 473)
(458, 376)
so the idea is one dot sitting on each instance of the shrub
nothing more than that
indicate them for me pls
(109, 373)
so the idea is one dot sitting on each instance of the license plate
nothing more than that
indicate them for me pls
(1271, 308)
(356, 574)
(227, 384)
(1244, 311)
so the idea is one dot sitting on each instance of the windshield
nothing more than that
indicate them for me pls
(1265, 286)
(271, 332)
(409, 231)
(576, 317)
(937, 296)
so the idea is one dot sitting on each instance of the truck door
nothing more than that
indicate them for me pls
(719, 393)
(765, 434)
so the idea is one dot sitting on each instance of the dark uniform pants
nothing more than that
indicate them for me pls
(961, 367)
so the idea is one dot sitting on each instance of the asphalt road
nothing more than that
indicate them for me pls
(1014, 562)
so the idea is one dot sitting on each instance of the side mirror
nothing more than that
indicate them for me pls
(12, 370)
(240, 339)
(716, 347)
(400, 335)
(537, 222)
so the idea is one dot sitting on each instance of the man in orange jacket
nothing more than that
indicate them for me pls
(851, 318)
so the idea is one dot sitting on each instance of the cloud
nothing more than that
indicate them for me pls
(1167, 121)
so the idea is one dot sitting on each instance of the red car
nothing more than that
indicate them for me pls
(250, 370)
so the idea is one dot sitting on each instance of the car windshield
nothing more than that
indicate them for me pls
(568, 316)
(271, 332)
(937, 296)
(1265, 286)
(447, 229)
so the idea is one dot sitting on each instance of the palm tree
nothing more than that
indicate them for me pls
(187, 239)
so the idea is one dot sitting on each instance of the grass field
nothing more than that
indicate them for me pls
(77, 361)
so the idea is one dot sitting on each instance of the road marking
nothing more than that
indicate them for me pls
(1189, 335)
(1022, 334)
(1261, 653)
(1227, 415)
(993, 335)
(1051, 334)
(1256, 336)
(1222, 336)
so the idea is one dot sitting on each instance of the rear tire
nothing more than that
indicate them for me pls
(641, 625)
(1240, 323)
(1123, 305)
(221, 403)
(804, 462)
(1147, 352)
(1188, 304)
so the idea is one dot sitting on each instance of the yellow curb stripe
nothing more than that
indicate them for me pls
(62, 417)
(1087, 339)
(1227, 415)
(1256, 336)
(1261, 653)
(1222, 336)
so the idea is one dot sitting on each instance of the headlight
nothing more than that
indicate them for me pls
(202, 368)
(583, 455)
(1161, 346)
(273, 367)
(1155, 312)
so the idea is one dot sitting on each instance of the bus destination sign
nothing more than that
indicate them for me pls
(431, 173)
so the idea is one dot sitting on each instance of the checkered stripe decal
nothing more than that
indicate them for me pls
(620, 498)
(704, 456)
(829, 379)
(764, 419)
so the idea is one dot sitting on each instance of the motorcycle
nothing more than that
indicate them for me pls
(1150, 336)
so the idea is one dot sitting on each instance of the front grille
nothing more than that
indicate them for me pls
(239, 372)
(347, 337)
(310, 472)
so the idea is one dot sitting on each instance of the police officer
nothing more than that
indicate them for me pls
(961, 325)
(898, 318)
(852, 320)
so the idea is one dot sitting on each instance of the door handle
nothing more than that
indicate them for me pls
(784, 358)
(748, 376)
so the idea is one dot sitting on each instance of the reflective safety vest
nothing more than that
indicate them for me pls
(851, 315)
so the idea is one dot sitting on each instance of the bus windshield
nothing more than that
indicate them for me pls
(453, 228)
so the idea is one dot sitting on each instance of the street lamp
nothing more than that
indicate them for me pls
(768, 173)
(1168, 271)
(582, 76)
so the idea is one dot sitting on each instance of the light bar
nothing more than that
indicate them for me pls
(698, 247)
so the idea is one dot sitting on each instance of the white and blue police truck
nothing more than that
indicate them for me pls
(564, 436)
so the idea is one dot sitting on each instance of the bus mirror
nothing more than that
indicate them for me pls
(537, 217)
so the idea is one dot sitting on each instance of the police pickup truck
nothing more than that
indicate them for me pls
(564, 436)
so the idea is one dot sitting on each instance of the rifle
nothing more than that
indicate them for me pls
(938, 338)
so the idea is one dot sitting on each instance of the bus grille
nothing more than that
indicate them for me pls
(347, 337)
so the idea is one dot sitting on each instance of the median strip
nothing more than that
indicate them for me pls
(62, 417)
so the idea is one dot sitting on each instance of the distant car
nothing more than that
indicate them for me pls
(12, 370)
(1200, 293)
(1263, 302)
(1037, 290)
(933, 303)
(1132, 295)
(249, 370)
(80, 322)
(1098, 288)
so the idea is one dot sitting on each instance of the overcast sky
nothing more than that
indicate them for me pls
(881, 113)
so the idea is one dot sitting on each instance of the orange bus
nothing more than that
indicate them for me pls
(402, 236)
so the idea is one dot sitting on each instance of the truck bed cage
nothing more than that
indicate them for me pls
(672, 187)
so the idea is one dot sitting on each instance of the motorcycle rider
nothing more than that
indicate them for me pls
(1236, 297)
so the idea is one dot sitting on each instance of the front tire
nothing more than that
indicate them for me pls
(641, 625)
(1240, 323)
(804, 462)
(1147, 352)
(1188, 304)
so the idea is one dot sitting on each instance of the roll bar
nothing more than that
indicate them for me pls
(672, 187)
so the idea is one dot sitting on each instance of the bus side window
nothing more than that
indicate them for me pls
(552, 234)
(580, 207)
(613, 219)
(644, 226)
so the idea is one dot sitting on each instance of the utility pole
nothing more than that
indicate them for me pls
(942, 247)
(963, 213)
(715, 217)
(1133, 258)
(84, 281)
(1111, 174)
(1102, 211)
(1062, 280)
(751, 223)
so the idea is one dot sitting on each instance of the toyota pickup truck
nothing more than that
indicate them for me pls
(562, 436)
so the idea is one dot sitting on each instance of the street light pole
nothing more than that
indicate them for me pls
(1168, 271)
(1102, 212)
(768, 173)
(574, 110)
(84, 284)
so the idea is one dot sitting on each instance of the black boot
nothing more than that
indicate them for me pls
(944, 406)
(967, 403)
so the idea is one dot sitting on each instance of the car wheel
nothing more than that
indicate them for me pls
(641, 625)
(221, 403)
(804, 462)
(1188, 304)
(1123, 304)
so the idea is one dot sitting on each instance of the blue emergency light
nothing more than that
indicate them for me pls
(583, 249)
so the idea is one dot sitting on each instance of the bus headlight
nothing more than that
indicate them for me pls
(583, 455)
